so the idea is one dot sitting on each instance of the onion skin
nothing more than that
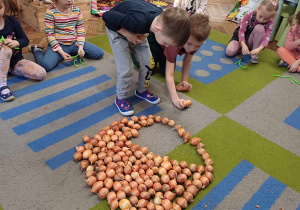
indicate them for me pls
(77, 156)
(124, 204)
(97, 186)
(182, 202)
(103, 193)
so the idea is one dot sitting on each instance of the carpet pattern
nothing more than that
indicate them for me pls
(247, 119)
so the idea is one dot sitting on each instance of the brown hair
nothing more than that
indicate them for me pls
(175, 24)
(200, 27)
(291, 19)
(11, 8)
(271, 5)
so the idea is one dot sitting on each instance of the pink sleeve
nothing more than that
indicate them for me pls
(243, 26)
(266, 38)
(290, 42)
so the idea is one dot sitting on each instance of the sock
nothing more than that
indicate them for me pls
(5, 91)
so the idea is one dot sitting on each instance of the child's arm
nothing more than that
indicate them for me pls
(184, 85)
(20, 34)
(80, 34)
(131, 37)
(290, 42)
(241, 34)
(171, 85)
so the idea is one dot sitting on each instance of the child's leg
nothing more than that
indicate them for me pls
(158, 53)
(5, 56)
(92, 51)
(29, 69)
(233, 48)
(256, 36)
(121, 51)
(287, 56)
(49, 60)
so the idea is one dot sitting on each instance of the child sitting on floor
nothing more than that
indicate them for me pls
(65, 34)
(126, 26)
(253, 33)
(13, 39)
(290, 53)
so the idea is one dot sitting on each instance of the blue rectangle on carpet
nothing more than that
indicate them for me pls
(294, 119)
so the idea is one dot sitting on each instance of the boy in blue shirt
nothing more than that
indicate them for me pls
(127, 27)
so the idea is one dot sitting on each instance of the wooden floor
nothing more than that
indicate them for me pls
(216, 9)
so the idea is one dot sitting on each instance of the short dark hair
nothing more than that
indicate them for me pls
(175, 24)
(200, 27)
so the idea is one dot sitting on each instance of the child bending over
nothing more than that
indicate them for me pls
(290, 53)
(11, 59)
(65, 34)
(253, 33)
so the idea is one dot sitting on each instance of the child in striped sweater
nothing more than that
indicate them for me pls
(65, 34)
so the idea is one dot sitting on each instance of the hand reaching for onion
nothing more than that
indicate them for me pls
(184, 86)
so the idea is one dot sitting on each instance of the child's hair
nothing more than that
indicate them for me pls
(175, 24)
(291, 19)
(11, 8)
(271, 5)
(200, 27)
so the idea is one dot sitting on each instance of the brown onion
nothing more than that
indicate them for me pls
(93, 158)
(209, 168)
(179, 189)
(114, 204)
(169, 195)
(108, 182)
(197, 183)
(181, 178)
(103, 193)
(77, 156)
(182, 202)
(111, 196)
(172, 184)
(200, 169)
(164, 120)
(142, 203)
(208, 162)
(176, 207)
(194, 141)
(145, 195)
(151, 206)
(84, 164)
(150, 122)
(166, 165)
(80, 149)
(166, 204)
(91, 180)
(171, 123)
(209, 176)
(192, 189)
(186, 137)
(124, 204)
(133, 200)
(121, 195)
(204, 180)
(117, 186)
(86, 139)
(188, 196)
(157, 119)
(97, 186)
(164, 179)
(86, 153)
(193, 168)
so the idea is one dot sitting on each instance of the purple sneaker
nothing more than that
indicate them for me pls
(148, 96)
(124, 106)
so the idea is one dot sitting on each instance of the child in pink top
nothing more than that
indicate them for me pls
(253, 32)
(290, 53)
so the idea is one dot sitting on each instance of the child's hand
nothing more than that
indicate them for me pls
(245, 50)
(66, 56)
(255, 51)
(1, 43)
(81, 51)
(184, 86)
(178, 103)
(293, 67)
(133, 38)
(11, 43)
(142, 37)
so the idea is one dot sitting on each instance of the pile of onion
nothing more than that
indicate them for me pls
(131, 177)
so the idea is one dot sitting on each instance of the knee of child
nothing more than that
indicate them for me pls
(230, 52)
(47, 66)
(99, 54)
(42, 74)
(259, 28)
(6, 50)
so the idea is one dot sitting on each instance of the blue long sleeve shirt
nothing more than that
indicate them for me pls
(134, 15)
(12, 29)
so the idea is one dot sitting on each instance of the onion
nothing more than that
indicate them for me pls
(135, 119)
(172, 184)
(145, 195)
(177, 169)
(101, 144)
(171, 123)
(150, 172)
(183, 164)
(148, 183)
(144, 150)
(106, 138)
(166, 165)
(96, 150)
(196, 176)
(84, 164)
(117, 186)
(135, 192)
(142, 203)
(193, 168)
(150, 122)
(107, 127)
(138, 154)
(205, 156)
(80, 149)
(124, 204)
(127, 134)
(181, 178)
(209, 176)
(114, 204)
(136, 126)
(143, 123)
(166, 204)
(112, 165)
(187, 172)
(180, 131)
(204, 180)
(176, 207)
(169, 195)
(157, 160)
(121, 195)
(119, 176)
(188, 196)
(157, 186)
(192, 189)
(108, 182)
(86, 153)
(142, 188)
(164, 120)
(157, 119)
(111, 196)
(151, 206)
(94, 142)
(187, 183)
(200, 169)
(133, 200)
(97, 186)
(107, 160)
(150, 116)
(90, 173)
(201, 151)
(157, 200)
(93, 158)
(103, 193)
(155, 178)
(188, 102)
(124, 120)
(86, 139)
(130, 123)
(162, 171)
(197, 183)
(77, 156)
(139, 180)
(209, 168)
(208, 162)
(186, 137)
(165, 188)
(200, 145)
(91, 180)
(152, 192)
(114, 138)
(127, 189)
(164, 179)
(194, 141)
(182, 202)
(102, 133)
(179, 189)
(177, 127)
(134, 132)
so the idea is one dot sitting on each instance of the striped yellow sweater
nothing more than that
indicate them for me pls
(64, 29)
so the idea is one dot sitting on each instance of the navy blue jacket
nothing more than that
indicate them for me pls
(134, 15)
(13, 30)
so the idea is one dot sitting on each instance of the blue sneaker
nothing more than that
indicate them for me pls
(124, 106)
(148, 96)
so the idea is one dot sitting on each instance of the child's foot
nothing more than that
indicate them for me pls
(34, 47)
(124, 106)
(148, 96)
(5, 94)
(254, 59)
(282, 63)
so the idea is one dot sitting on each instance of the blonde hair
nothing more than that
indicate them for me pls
(200, 27)
(11, 8)
(175, 24)
(271, 5)
(291, 19)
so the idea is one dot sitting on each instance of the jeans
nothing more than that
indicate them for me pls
(51, 58)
